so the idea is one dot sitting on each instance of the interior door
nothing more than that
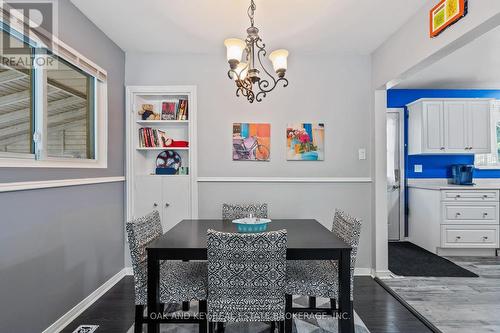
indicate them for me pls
(433, 127)
(176, 200)
(393, 174)
(479, 128)
(455, 127)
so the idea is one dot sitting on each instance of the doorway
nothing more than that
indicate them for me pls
(395, 174)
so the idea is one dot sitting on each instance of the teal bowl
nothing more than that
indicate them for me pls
(251, 228)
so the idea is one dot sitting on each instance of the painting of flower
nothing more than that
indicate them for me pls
(305, 142)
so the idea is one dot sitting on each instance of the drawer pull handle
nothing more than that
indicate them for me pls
(485, 196)
(442, 148)
(167, 205)
(459, 237)
(458, 196)
(155, 205)
(459, 214)
(485, 238)
(485, 214)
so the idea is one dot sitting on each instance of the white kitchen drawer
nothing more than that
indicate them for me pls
(467, 213)
(469, 195)
(466, 236)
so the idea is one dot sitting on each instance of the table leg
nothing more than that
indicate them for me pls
(346, 317)
(153, 293)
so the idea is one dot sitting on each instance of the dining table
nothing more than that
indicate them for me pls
(307, 240)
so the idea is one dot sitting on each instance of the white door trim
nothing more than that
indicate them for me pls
(402, 171)
(284, 180)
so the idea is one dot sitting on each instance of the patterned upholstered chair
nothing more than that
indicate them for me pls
(179, 281)
(238, 211)
(319, 278)
(246, 277)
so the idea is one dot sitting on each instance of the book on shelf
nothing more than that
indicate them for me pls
(153, 138)
(174, 110)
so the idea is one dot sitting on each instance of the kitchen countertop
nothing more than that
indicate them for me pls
(442, 184)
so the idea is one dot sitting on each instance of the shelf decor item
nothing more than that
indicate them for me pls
(244, 57)
(168, 162)
(251, 142)
(305, 142)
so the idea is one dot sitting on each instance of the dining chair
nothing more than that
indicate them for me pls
(246, 277)
(319, 278)
(179, 281)
(238, 211)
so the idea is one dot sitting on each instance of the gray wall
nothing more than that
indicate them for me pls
(59, 245)
(329, 89)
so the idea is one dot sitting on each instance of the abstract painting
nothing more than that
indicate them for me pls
(251, 142)
(305, 142)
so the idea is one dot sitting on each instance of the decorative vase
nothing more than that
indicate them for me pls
(310, 156)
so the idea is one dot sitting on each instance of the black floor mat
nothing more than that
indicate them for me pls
(408, 259)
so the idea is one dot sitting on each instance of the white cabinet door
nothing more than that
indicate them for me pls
(176, 201)
(455, 127)
(433, 128)
(147, 195)
(479, 128)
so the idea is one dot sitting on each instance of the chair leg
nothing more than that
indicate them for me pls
(185, 306)
(162, 308)
(333, 305)
(139, 318)
(202, 313)
(220, 328)
(273, 326)
(288, 314)
(281, 326)
(312, 302)
(210, 327)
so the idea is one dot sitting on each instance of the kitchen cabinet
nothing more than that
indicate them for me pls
(454, 222)
(449, 126)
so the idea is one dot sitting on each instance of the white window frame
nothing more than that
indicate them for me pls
(39, 159)
(495, 119)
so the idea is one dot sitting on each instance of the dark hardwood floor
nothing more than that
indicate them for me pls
(114, 312)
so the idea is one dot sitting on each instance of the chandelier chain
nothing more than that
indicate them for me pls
(251, 12)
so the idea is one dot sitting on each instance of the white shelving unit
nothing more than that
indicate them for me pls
(174, 196)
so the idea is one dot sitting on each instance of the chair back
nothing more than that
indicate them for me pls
(239, 211)
(348, 229)
(142, 231)
(246, 276)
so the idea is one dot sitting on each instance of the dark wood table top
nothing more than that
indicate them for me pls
(307, 239)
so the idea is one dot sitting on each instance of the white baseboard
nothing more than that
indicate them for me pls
(43, 184)
(69, 316)
(360, 271)
(382, 274)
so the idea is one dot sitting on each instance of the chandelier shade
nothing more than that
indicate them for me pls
(246, 66)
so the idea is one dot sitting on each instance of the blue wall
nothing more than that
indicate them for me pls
(437, 166)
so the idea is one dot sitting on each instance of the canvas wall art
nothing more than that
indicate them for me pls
(251, 142)
(305, 142)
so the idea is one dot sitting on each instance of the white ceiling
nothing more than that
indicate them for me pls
(200, 26)
(474, 66)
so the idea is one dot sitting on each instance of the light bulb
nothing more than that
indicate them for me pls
(279, 60)
(235, 49)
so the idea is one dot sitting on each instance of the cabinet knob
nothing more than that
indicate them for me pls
(458, 214)
(485, 214)
(458, 196)
(459, 237)
(485, 237)
(155, 205)
(442, 148)
(167, 204)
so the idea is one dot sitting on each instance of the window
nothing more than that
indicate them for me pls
(491, 161)
(70, 121)
(16, 106)
(51, 115)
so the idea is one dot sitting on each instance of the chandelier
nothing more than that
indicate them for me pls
(244, 56)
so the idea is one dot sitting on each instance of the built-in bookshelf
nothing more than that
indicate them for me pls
(169, 125)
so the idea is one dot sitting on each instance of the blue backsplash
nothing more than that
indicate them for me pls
(437, 166)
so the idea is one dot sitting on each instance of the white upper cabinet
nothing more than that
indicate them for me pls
(449, 126)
